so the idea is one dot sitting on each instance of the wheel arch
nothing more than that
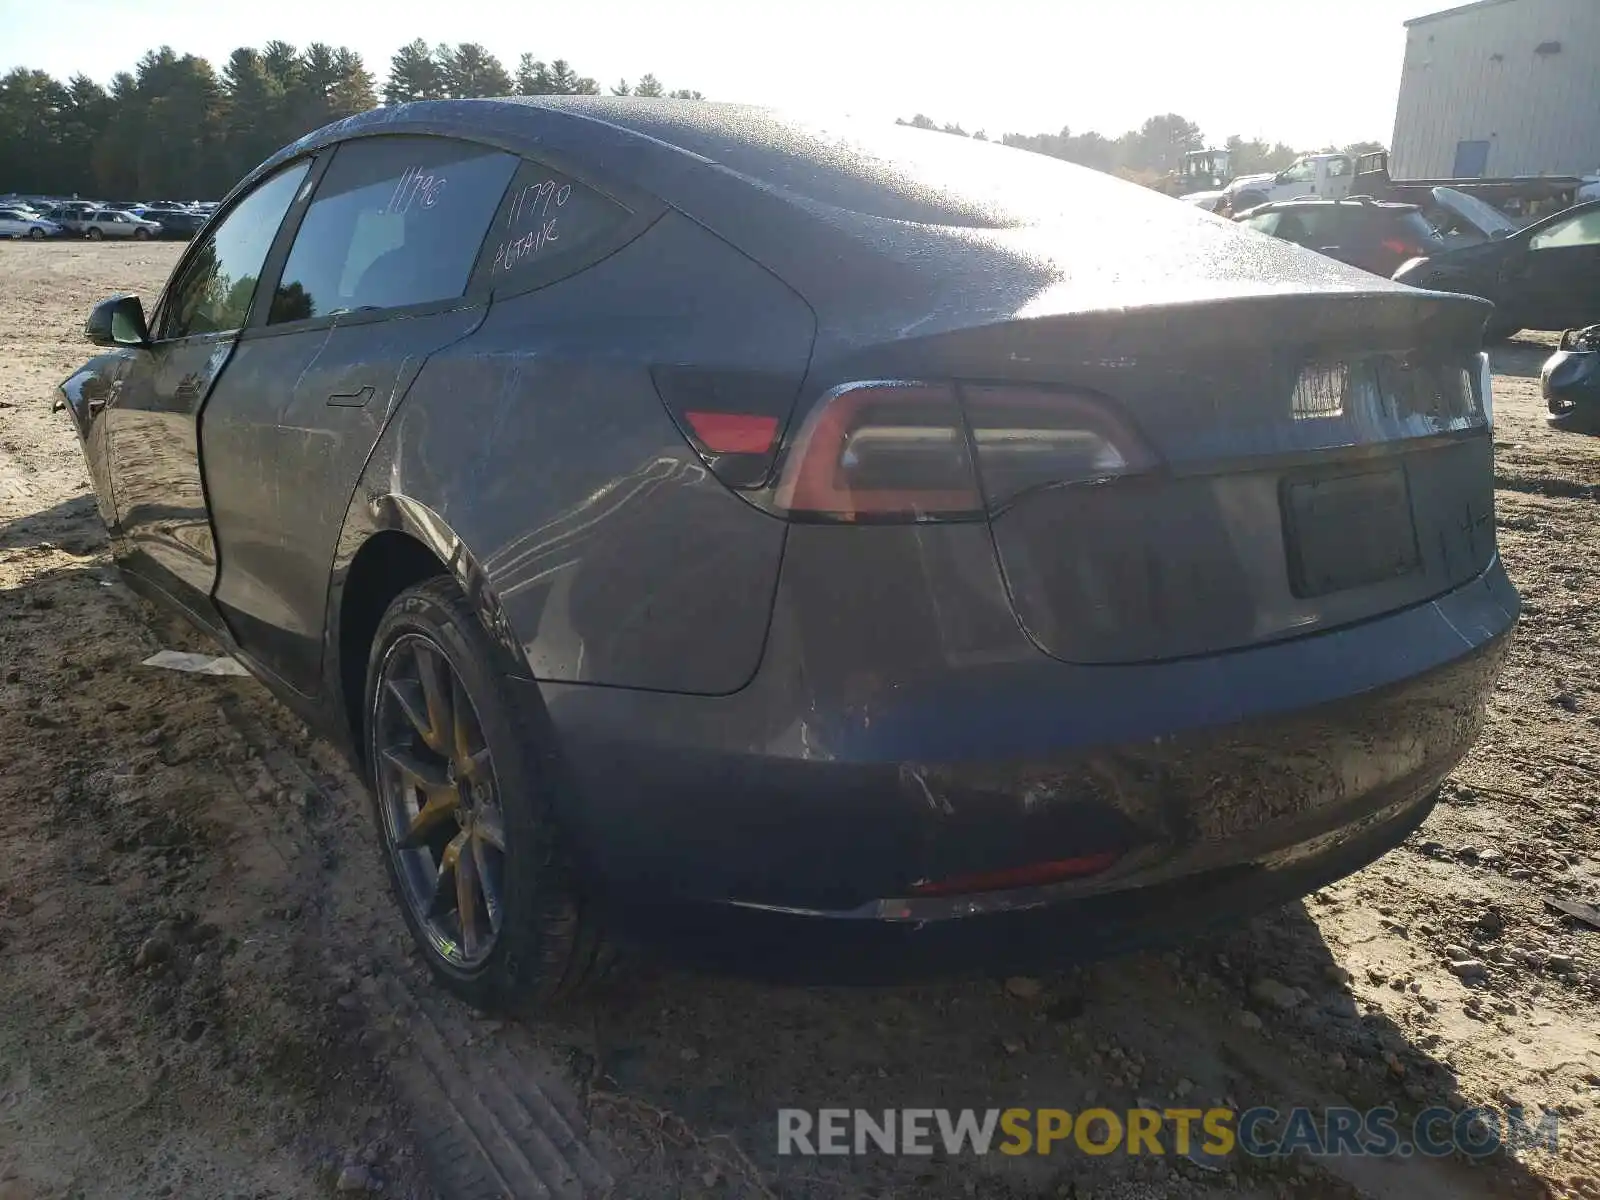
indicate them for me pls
(392, 542)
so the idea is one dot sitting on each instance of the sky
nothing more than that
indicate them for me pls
(1306, 72)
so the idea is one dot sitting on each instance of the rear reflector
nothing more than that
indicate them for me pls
(733, 433)
(734, 419)
(1032, 875)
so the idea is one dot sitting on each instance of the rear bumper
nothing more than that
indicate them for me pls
(776, 830)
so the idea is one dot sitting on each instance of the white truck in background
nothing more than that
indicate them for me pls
(1326, 176)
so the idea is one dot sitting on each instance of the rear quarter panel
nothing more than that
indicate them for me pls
(609, 553)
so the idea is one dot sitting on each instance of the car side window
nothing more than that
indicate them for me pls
(219, 280)
(1292, 228)
(395, 221)
(1581, 230)
(1320, 227)
(1338, 168)
(547, 222)
(1300, 172)
(1263, 222)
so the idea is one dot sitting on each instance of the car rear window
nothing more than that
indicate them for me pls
(395, 221)
(880, 170)
(547, 223)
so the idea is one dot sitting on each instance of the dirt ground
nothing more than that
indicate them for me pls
(205, 991)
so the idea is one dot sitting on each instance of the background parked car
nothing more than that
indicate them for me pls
(1464, 220)
(1570, 381)
(71, 218)
(175, 222)
(25, 223)
(108, 222)
(1375, 237)
(1546, 276)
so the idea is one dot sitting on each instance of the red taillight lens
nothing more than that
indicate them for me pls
(734, 419)
(1396, 246)
(733, 433)
(932, 452)
(881, 450)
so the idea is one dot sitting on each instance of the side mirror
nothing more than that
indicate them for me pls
(118, 321)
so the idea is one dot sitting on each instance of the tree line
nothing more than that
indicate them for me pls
(175, 127)
(1148, 153)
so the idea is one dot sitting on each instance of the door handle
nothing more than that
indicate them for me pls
(352, 399)
(95, 407)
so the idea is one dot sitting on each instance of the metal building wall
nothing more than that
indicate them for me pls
(1477, 73)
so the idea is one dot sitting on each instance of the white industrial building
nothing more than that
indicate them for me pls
(1500, 87)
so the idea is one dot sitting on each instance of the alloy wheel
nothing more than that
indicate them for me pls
(443, 824)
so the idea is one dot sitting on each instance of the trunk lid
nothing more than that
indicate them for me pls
(1318, 460)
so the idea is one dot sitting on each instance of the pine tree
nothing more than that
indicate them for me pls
(252, 97)
(533, 77)
(563, 79)
(413, 75)
(352, 90)
(622, 88)
(650, 86)
(469, 70)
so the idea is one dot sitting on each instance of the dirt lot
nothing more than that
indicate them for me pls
(204, 991)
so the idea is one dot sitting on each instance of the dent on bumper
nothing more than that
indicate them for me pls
(772, 802)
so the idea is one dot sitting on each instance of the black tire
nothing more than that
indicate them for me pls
(1245, 201)
(94, 235)
(549, 946)
(141, 235)
(36, 234)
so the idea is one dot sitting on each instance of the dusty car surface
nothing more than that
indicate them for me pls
(812, 547)
(1544, 276)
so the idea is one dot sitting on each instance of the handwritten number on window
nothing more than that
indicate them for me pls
(531, 222)
(417, 186)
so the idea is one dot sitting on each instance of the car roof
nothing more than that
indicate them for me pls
(883, 229)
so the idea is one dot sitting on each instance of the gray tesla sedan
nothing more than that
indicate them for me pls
(826, 550)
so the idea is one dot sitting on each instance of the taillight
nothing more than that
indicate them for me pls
(905, 451)
(881, 450)
(1030, 438)
(1398, 247)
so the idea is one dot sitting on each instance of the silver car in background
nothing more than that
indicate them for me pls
(25, 223)
(108, 222)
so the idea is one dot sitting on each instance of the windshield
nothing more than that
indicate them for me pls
(1485, 216)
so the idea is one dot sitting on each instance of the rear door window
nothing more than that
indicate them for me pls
(396, 221)
(548, 225)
